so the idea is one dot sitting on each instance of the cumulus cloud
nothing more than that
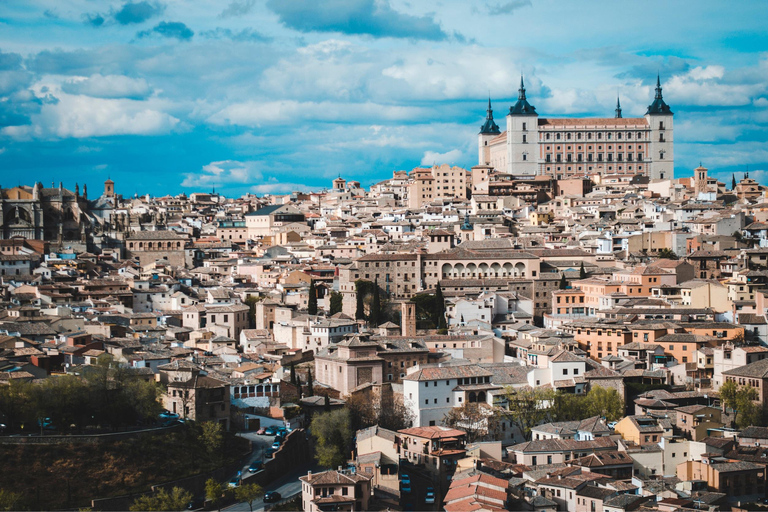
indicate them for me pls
(223, 172)
(370, 17)
(172, 29)
(507, 7)
(254, 113)
(275, 187)
(450, 157)
(63, 115)
(237, 8)
(130, 13)
(703, 86)
(245, 35)
(110, 86)
(138, 12)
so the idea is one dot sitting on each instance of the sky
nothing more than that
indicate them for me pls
(273, 96)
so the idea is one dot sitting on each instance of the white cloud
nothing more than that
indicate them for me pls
(252, 113)
(281, 188)
(450, 157)
(64, 115)
(224, 172)
(109, 86)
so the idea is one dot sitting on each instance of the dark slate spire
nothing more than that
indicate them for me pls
(522, 107)
(658, 106)
(618, 108)
(490, 127)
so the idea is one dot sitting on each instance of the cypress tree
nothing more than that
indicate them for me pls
(312, 304)
(563, 281)
(733, 181)
(582, 272)
(376, 307)
(360, 310)
(293, 374)
(327, 404)
(439, 311)
(310, 388)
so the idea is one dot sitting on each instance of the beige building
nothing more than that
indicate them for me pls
(269, 220)
(193, 395)
(427, 184)
(150, 246)
(223, 319)
(335, 490)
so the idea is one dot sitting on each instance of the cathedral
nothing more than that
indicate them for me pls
(571, 147)
(55, 214)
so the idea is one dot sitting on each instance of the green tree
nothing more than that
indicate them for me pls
(293, 374)
(176, 499)
(327, 403)
(568, 407)
(360, 296)
(563, 281)
(733, 181)
(249, 493)
(477, 419)
(251, 302)
(312, 303)
(9, 500)
(333, 434)
(604, 402)
(440, 310)
(741, 400)
(336, 300)
(213, 490)
(582, 272)
(310, 383)
(375, 315)
(527, 407)
(212, 438)
(667, 254)
(14, 403)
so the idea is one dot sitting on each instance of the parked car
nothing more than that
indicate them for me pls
(196, 503)
(269, 452)
(430, 496)
(46, 423)
(276, 445)
(270, 431)
(255, 466)
(262, 431)
(235, 482)
(405, 483)
(279, 438)
(612, 425)
(272, 497)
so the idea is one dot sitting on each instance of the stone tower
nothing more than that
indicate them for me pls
(109, 188)
(489, 131)
(661, 120)
(522, 136)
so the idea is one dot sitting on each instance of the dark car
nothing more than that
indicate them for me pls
(272, 497)
(196, 503)
(269, 452)
(270, 431)
(255, 466)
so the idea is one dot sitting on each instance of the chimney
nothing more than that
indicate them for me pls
(309, 475)
(560, 476)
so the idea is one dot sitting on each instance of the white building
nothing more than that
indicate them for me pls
(561, 147)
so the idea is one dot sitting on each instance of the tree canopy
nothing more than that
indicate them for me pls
(333, 433)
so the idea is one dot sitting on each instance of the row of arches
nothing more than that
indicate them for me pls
(483, 270)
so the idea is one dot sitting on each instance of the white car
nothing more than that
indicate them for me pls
(612, 425)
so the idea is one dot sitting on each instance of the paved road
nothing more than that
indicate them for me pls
(286, 485)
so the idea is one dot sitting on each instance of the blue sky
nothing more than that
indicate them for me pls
(269, 96)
